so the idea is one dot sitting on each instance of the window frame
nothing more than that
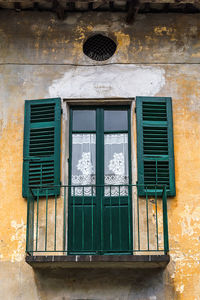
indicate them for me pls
(99, 168)
(100, 143)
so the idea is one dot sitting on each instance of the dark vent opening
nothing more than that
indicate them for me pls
(99, 47)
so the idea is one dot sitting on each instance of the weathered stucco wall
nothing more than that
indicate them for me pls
(157, 56)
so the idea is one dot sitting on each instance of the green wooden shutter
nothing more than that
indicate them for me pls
(41, 155)
(155, 147)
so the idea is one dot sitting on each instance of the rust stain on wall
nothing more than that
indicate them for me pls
(123, 43)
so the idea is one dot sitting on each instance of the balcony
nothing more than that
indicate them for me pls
(97, 226)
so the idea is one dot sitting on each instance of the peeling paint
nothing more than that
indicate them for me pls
(123, 43)
(19, 236)
(180, 288)
(196, 54)
(190, 221)
(160, 30)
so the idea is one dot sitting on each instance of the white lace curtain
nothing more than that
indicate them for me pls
(83, 164)
(115, 164)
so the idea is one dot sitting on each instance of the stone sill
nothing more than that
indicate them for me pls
(99, 261)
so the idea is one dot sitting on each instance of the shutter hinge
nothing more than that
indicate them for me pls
(61, 110)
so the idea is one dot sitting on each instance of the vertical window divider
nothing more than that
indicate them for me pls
(99, 175)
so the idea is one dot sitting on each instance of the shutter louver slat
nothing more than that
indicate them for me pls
(42, 113)
(162, 176)
(42, 146)
(155, 144)
(154, 112)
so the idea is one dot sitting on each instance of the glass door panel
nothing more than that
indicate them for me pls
(83, 173)
(84, 120)
(115, 120)
(83, 230)
(116, 171)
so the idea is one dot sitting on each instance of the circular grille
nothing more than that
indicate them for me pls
(99, 47)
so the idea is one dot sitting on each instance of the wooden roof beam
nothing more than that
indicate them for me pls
(17, 6)
(61, 2)
(133, 8)
(59, 9)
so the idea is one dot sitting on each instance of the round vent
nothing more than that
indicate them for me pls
(99, 47)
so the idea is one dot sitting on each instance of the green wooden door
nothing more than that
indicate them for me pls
(100, 219)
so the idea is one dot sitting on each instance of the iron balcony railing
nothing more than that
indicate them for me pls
(106, 219)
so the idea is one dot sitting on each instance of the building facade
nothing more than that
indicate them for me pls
(145, 97)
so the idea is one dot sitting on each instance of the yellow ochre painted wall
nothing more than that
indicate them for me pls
(161, 55)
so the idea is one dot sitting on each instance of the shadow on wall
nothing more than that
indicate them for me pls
(103, 284)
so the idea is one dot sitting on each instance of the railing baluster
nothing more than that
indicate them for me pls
(156, 203)
(165, 222)
(74, 216)
(138, 219)
(37, 219)
(119, 210)
(147, 214)
(129, 219)
(64, 220)
(102, 191)
(110, 220)
(83, 220)
(28, 222)
(46, 227)
(33, 225)
(55, 222)
(92, 223)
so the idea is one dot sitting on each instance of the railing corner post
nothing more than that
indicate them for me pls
(165, 221)
(27, 222)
